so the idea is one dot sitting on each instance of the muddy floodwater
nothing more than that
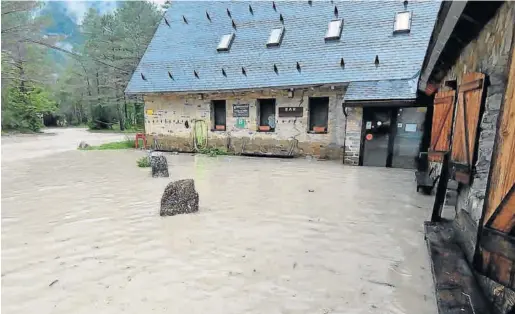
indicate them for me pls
(81, 233)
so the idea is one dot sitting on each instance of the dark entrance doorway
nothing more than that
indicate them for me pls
(376, 138)
(391, 136)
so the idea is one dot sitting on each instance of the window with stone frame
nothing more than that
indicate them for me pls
(266, 115)
(318, 114)
(218, 112)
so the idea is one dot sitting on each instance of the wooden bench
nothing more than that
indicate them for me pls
(425, 182)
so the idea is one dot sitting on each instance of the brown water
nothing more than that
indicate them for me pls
(261, 242)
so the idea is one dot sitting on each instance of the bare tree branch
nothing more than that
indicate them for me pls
(74, 54)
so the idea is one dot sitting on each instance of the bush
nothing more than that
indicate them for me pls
(212, 152)
(24, 110)
(143, 162)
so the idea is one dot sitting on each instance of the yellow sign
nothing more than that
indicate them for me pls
(150, 112)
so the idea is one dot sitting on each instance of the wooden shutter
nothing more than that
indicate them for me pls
(470, 98)
(443, 111)
(495, 254)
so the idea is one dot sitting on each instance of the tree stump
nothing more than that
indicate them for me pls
(179, 197)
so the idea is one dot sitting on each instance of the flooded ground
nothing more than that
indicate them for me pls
(81, 233)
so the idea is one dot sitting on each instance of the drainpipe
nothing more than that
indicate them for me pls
(344, 130)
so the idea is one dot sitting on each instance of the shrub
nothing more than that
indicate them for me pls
(143, 162)
(24, 110)
(212, 152)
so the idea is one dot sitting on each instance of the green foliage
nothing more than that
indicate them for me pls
(23, 110)
(90, 88)
(119, 39)
(126, 144)
(143, 162)
(27, 74)
(212, 152)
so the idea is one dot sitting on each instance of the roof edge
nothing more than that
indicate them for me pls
(229, 90)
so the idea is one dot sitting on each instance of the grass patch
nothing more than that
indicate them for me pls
(213, 152)
(116, 129)
(126, 144)
(143, 162)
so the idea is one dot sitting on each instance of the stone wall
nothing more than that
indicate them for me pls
(353, 135)
(488, 53)
(177, 121)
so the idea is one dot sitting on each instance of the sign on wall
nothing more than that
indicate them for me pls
(291, 111)
(240, 110)
(240, 123)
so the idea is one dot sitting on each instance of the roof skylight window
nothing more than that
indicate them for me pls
(334, 30)
(225, 42)
(402, 22)
(275, 38)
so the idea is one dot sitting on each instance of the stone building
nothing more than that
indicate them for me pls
(289, 79)
(471, 65)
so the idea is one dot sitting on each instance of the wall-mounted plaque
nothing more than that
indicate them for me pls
(240, 110)
(291, 111)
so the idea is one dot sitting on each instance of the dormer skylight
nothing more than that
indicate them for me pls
(225, 42)
(275, 38)
(334, 29)
(402, 22)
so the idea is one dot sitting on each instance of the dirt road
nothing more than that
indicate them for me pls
(81, 233)
(52, 141)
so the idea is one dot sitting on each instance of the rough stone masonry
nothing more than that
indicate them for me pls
(489, 54)
(159, 166)
(179, 197)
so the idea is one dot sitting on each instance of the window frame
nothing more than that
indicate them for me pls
(334, 37)
(214, 104)
(221, 48)
(403, 30)
(279, 41)
(259, 112)
(311, 104)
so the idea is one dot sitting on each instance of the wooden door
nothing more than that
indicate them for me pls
(443, 112)
(470, 100)
(495, 253)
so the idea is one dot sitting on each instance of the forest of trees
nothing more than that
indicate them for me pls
(89, 87)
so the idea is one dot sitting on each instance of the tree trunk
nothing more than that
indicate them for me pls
(120, 116)
(125, 107)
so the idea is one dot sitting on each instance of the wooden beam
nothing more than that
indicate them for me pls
(497, 267)
(477, 84)
(499, 243)
(503, 218)
(502, 170)
(441, 190)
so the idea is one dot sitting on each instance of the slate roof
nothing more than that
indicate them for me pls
(182, 48)
(382, 90)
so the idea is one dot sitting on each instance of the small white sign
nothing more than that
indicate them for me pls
(399, 125)
(410, 127)
(368, 125)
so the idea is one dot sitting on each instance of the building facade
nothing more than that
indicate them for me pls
(470, 64)
(335, 80)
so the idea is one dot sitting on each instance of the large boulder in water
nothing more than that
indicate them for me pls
(159, 166)
(179, 197)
